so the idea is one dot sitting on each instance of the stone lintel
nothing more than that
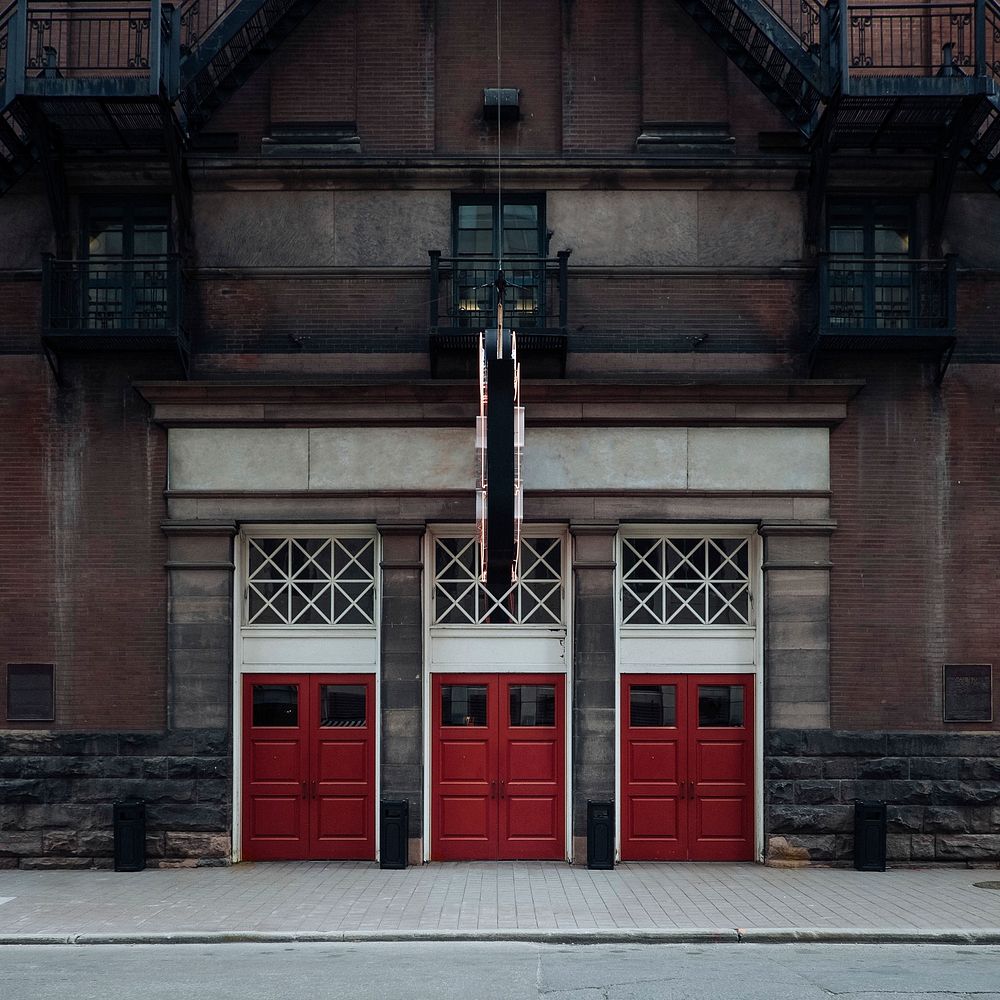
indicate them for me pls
(818, 527)
(177, 526)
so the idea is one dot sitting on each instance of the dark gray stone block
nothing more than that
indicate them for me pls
(905, 819)
(940, 819)
(884, 767)
(817, 792)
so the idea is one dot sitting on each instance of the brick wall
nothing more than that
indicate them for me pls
(82, 583)
(916, 494)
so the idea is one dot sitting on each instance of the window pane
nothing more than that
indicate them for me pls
(342, 705)
(30, 692)
(149, 239)
(275, 705)
(720, 705)
(463, 705)
(475, 217)
(652, 705)
(105, 239)
(532, 705)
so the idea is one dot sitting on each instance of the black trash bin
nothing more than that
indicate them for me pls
(129, 819)
(869, 836)
(394, 834)
(600, 835)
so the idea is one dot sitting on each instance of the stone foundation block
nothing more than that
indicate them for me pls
(197, 845)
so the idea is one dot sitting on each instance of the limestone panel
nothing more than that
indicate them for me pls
(605, 458)
(238, 458)
(375, 458)
(638, 228)
(759, 458)
(749, 228)
(266, 228)
(391, 228)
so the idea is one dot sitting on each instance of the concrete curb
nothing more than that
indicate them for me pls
(694, 935)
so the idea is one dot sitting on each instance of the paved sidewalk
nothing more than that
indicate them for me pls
(489, 898)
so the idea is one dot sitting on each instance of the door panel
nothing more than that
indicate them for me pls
(275, 768)
(532, 764)
(308, 767)
(654, 819)
(464, 765)
(687, 767)
(342, 717)
(498, 767)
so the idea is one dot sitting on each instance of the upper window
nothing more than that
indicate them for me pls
(126, 245)
(685, 581)
(482, 228)
(871, 273)
(535, 598)
(310, 581)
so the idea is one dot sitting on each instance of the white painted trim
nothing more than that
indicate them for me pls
(331, 633)
(669, 631)
(564, 633)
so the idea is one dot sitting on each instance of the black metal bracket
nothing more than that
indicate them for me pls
(54, 173)
(53, 360)
(179, 177)
(942, 363)
(819, 171)
(945, 168)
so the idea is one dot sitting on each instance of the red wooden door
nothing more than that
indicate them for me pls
(498, 767)
(342, 766)
(687, 767)
(308, 767)
(654, 765)
(532, 765)
(275, 768)
(464, 779)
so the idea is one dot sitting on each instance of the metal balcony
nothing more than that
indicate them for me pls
(887, 304)
(113, 304)
(463, 303)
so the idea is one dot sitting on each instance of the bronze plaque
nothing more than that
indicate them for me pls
(968, 692)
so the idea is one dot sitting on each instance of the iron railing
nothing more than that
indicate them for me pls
(56, 48)
(886, 296)
(136, 298)
(6, 16)
(463, 293)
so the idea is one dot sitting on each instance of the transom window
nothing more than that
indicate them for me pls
(310, 581)
(535, 598)
(685, 581)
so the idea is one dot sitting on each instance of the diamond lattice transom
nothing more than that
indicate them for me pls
(535, 598)
(310, 581)
(685, 581)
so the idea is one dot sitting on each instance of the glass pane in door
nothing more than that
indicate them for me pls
(342, 705)
(463, 704)
(532, 705)
(652, 705)
(720, 705)
(275, 705)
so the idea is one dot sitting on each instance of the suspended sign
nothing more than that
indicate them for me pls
(499, 451)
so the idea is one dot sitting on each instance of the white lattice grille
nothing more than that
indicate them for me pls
(535, 598)
(685, 581)
(310, 581)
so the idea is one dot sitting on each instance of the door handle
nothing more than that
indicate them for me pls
(501, 790)
(314, 789)
(305, 789)
(691, 789)
(493, 789)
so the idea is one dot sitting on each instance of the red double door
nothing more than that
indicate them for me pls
(308, 767)
(498, 767)
(687, 767)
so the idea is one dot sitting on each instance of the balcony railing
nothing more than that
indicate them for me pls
(463, 302)
(85, 49)
(887, 297)
(136, 302)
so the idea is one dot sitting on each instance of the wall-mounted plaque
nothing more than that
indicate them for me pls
(968, 692)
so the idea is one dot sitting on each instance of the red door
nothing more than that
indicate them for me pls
(498, 767)
(687, 767)
(308, 767)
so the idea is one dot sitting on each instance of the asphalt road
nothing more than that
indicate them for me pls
(498, 971)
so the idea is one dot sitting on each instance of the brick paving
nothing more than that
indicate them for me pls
(354, 896)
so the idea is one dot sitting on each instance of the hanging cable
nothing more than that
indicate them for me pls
(499, 160)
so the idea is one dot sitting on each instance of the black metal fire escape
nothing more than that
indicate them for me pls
(132, 80)
(864, 77)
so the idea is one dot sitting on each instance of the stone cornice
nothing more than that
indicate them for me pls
(553, 404)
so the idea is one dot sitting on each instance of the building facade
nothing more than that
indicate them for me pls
(752, 262)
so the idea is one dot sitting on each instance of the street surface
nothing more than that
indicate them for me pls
(498, 971)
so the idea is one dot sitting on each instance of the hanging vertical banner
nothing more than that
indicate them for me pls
(499, 451)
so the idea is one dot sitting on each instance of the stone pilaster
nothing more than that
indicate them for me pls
(402, 636)
(593, 730)
(200, 623)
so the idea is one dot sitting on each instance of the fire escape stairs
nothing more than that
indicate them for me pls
(790, 73)
(206, 63)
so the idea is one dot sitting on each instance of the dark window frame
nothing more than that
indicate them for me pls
(988, 667)
(535, 198)
(12, 716)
